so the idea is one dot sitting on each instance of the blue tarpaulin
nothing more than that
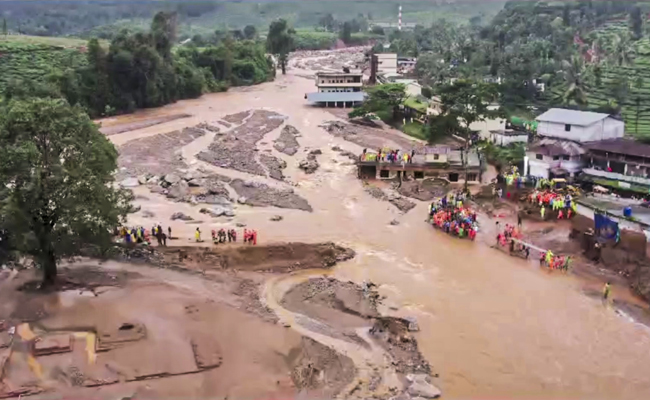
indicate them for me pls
(605, 226)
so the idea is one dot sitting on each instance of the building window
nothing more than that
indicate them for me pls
(567, 128)
(472, 177)
(539, 156)
(555, 158)
(566, 158)
(418, 174)
(384, 173)
(436, 156)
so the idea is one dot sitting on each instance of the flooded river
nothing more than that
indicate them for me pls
(491, 325)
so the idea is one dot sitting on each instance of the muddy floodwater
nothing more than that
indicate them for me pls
(490, 325)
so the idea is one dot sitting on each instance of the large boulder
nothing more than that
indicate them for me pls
(421, 387)
(181, 216)
(143, 179)
(218, 211)
(180, 191)
(309, 165)
(172, 178)
(197, 182)
(130, 183)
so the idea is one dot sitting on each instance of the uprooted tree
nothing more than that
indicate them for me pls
(57, 192)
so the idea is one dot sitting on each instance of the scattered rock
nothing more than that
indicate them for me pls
(148, 214)
(153, 180)
(277, 218)
(241, 200)
(236, 149)
(287, 142)
(181, 216)
(274, 165)
(240, 225)
(336, 148)
(316, 152)
(130, 183)
(143, 179)
(261, 195)
(394, 222)
(309, 164)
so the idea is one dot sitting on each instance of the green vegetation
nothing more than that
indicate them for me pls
(107, 18)
(415, 129)
(591, 55)
(416, 104)
(383, 101)
(280, 41)
(513, 154)
(134, 71)
(61, 200)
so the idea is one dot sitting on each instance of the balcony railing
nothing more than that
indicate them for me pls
(616, 176)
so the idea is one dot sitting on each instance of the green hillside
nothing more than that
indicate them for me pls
(29, 58)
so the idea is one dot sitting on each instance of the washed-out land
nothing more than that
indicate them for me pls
(347, 293)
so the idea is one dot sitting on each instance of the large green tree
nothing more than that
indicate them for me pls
(576, 76)
(382, 100)
(57, 192)
(469, 101)
(280, 41)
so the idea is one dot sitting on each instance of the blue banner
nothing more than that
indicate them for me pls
(606, 227)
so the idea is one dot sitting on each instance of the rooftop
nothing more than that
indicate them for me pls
(509, 132)
(571, 117)
(554, 147)
(620, 146)
(436, 150)
(339, 74)
(321, 97)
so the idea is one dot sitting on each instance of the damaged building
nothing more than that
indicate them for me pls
(429, 162)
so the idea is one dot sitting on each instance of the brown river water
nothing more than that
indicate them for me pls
(491, 325)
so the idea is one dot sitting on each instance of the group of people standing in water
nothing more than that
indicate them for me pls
(453, 217)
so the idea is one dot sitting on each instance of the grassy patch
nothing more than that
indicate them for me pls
(415, 129)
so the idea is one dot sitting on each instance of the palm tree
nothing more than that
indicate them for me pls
(621, 49)
(576, 76)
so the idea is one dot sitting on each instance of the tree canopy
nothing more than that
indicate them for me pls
(280, 41)
(58, 196)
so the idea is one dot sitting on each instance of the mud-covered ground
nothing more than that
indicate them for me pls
(104, 331)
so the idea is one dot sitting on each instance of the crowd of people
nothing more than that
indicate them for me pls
(453, 217)
(562, 263)
(388, 155)
(548, 199)
(140, 235)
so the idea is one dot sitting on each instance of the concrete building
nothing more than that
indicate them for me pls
(579, 126)
(431, 162)
(386, 63)
(552, 158)
(505, 137)
(619, 164)
(337, 89)
(560, 153)
(339, 82)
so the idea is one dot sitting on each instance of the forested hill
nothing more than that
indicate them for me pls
(104, 19)
(591, 55)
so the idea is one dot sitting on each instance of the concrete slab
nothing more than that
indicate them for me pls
(53, 344)
(207, 352)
